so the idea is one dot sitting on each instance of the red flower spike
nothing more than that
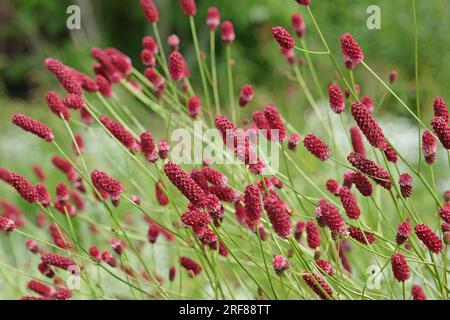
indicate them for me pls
(176, 66)
(116, 245)
(174, 42)
(40, 288)
(312, 235)
(406, 184)
(304, 2)
(328, 215)
(429, 238)
(343, 257)
(109, 259)
(195, 219)
(6, 224)
(283, 37)
(280, 264)
(213, 176)
(262, 123)
(225, 193)
(190, 265)
(33, 126)
(43, 197)
(275, 121)
(298, 24)
(189, 8)
(161, 197)
(300, 227)
(148, 42)
(56, 260)
(400, 267)
(445, 227)
(25, 189)
(246, 95)
(105, 66)
(318, 285)
(150, 11)
(212, 18)
(85, 116)
(32, 245)
(252, 203)
(325, 266)
(73, 101)
(376, 172)
(148, 58)
(442, 130)
(119, 132)
(391, 154)
(63, 294)
(368, 125)
(185, 184)
(95, 254)
(418, 293)
(57, 106)
(393, 76)
(362, 184)
(333, 186)
(227, 32)
(62, 192)
(65, 76)
(293, 141)
(429, 146)
(351, 51)
(317, 147)
(154, 78)
(105, 184)
(4, 174)
(357, 141)
(440, 108)
(279, 218)
(336, 98)
(172, 273)
(349, 203)
(194, 106)
(444, 212)
(103, 86)
(361, 236)
(163, 149)
(403, 232)
(148, 146)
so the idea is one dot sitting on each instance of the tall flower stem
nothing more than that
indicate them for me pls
(212, 43)
(230, 84)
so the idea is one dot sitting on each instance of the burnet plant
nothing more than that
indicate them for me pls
(242, 226)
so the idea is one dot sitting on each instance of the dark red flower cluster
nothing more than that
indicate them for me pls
(318, 285)
(190, 265)
(361, 236)
(349, 203)
(33, 126)
(368, 125)
(403, 232)
(150, 10)
(400, 267)
(373, 170)
(328, 215)
(283, 37)
(246, 95)
(212, 18)
(317, 147)
(280, 264)
(119, 132)
(336, 98)
(107, 185)
(278, 216)
(430, 239)
(298, 24)
(312, 235)
(406, 185)
(351, 51)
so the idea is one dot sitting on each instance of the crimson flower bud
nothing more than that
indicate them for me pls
(105, 184)
(32, 245)
(304, 2)
(163, 149)
(362, 184)
(279, 218)
(317, 147)
(103, 86)
(333, 186)
(294, 140)
(328, 215)
(349, 203)
(406, 184)
(298, 24)
(25, 189)
(393, 76)
(33, 126)
(148, 146)
(246, 95)
(312, 235)
(403, 232)
(361, 236)
(194, 106)
(213, 18)
(176, 66)
(283, 37)
(56, 260)
(376, 172)
(318, 285)
(6, 224)
(440, 108)
(161, 197)
(148, 58)
(368, 125)
(357, 141)
(418, 293)
(444, 212)
(116, 245)
(172, 273)
(109, 259)
(325, 267)
(150, 10)
(73, 101)
(57, 106)
(189, 8)
(252, 203)
(442, 130)
(62, 192)
(227, 32)
(429, 146)
(430, 239)
(400, 267)
(280, 264)
(65, 76)
(351, 51)
(336, 98)
(275, 121)
(190, 265)
(95, 254)
(119, 132)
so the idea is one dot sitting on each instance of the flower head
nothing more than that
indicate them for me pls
(6, 224)
(318, 285)
(190, 265)
(400, 267)
(429, 146)
(430, 239)
(25, 189)
(105, 184)
(278, 216)
(418, 293)
(362, 184)
(65, 76)
(298, 24)
(317, 147)
(312, 235)
(376, 172)
(56, 260)
(406, 184)
(194, 106)
(294, 140)
(280, 264)
(351, 51)
(33, 126)
(336, 98)
(440, 108)
(328, 215)
(150, 10)
(283, 37)
(148, 146)
(176, 66)
(442, 130)
(275, 121)
(212, 18)
(189, 7)
(333, 186)
(444, 212)
(325, 266)
(57, 106)
(357, 141)
(403, 232)
(368, 125)
(163, 149)
(246, 95)
(349, 203)
(304, 2)
(227, 32)
(361, 236)
(174, 42)
(119, 132)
